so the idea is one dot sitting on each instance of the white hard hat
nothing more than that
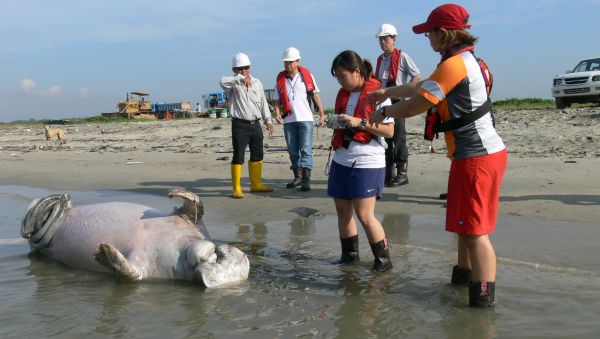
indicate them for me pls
(386, 29)
(291, 54)
(240, 60)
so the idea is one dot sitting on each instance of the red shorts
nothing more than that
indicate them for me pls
(473, 193)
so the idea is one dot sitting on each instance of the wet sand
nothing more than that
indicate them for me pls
(552, 171)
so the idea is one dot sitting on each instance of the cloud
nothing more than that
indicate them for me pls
(28, 85)
(52, 91)
(84, 92)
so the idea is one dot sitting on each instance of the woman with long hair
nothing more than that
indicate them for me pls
(357, 172)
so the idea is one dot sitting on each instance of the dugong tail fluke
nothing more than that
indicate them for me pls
(43, 218)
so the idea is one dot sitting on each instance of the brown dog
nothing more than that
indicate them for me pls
(55, 132)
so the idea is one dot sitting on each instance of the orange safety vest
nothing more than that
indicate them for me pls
(342, 137)
(281, 87)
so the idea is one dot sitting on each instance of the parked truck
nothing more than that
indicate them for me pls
(173, 110)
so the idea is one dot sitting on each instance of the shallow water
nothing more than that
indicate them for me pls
(548, 284)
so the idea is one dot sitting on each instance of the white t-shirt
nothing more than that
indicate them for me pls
(359, 155)
(296, 92)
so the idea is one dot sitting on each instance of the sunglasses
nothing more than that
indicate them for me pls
(244, 68)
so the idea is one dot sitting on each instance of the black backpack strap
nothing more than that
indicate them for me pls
(465, 119)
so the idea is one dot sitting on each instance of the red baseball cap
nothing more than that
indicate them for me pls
(448, 16)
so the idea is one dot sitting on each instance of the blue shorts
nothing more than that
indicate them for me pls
(350, 183)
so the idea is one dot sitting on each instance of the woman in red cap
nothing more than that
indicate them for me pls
(458, 93)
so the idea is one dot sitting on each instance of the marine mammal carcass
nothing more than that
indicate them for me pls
(133, 241)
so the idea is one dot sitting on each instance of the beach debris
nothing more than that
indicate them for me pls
(225, 158)
(570, 162)
(133, 163)
(307, 212)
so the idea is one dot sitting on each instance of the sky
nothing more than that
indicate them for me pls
(63, 59)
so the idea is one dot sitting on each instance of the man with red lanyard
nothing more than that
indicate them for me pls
(395, 67)
(296, 89)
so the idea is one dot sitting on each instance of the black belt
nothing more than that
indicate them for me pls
(247, 121)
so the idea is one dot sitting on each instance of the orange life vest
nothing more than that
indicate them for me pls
(342, 137)
(282, 87)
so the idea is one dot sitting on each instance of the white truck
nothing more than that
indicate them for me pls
(581, 85)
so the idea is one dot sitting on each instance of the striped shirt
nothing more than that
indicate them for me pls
(457, 88)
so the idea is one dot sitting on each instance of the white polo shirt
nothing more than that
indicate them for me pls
(296, 91)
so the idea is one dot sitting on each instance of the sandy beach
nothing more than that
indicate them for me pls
(552, 172)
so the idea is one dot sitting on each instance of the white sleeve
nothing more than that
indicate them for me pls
(315, 82)
(387, 102)
(408, 65)
(228, 82)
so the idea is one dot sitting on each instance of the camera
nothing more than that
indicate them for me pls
(334, 122)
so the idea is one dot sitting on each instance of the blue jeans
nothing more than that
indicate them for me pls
(299, 139)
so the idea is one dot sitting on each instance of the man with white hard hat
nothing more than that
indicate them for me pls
(248, 106)
(296, 88)
(395, 67)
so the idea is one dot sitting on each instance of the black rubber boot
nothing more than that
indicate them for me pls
(297, 178)
(389, 175)
(460, 275)
(305, 186)
(399, 180)
(381, 251)
(349, 250)
(482, 294)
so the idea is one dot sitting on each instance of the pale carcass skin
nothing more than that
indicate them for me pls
(146, 236)
(137, 242)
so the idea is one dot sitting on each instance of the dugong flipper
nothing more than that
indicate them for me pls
(133, 241)
(110, 257)
(192, 208)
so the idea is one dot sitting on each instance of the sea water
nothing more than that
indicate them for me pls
(548, 283)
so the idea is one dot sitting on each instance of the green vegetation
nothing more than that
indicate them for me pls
(525, 103)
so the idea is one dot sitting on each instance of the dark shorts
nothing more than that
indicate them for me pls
(350, 183)
(473, 193)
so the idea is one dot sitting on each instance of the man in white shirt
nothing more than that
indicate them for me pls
(247, 106)
(295, 89)
(395, 67)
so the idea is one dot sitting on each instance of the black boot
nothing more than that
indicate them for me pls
(460, 275)
(400, 179)
(305, 179)
(349, 250)
(389, 175)
(482, 293)
(297, 178)
(381, 251)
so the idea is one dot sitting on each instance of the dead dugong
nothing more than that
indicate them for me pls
(133, 241)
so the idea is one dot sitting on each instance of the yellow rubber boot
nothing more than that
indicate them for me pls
(255, 171)
(236, 176)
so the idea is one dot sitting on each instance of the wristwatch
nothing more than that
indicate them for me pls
(382, 110)
(363, 124)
